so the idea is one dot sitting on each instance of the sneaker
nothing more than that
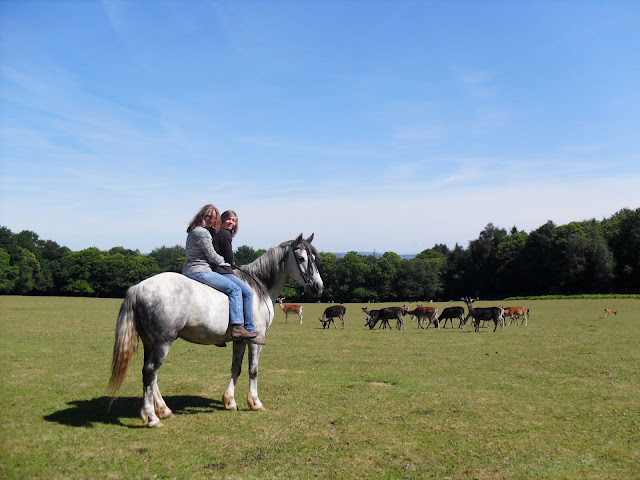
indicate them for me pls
(238, 332)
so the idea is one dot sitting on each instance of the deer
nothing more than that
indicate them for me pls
(450, 313)
(430, 314)
(608, 311)
(288, 308)
(515, 314)
(484, 313)
(330, 313)
(386, 314)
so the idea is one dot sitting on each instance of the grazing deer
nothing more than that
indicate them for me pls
(374, 313)
(288, 308)
(386, 314)
(608, 311)
(330, 313)
(428, 313)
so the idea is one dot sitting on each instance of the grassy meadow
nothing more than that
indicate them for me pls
(557, 399)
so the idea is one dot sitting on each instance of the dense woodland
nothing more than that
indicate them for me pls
(586, 257)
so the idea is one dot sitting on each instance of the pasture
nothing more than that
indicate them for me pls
(558, 399)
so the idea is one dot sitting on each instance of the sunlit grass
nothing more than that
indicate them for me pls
(555, 399)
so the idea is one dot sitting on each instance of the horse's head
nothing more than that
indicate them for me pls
(301, 264)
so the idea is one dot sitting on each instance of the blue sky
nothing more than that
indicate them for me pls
(386, 126)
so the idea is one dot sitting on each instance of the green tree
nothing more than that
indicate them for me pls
(455, 275)
(29, 273)
(328, 266)
(510, 272)
(245, 255)
(483, 260)
(169, 259)
(622, 233)
(8, 273)
(540, 261)
(418, 280)
(79, 271)
(52, 254)
(384, 274)
(354, 272)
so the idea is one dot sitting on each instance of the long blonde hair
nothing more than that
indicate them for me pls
(198, 220)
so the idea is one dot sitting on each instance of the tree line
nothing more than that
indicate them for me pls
(595, 257)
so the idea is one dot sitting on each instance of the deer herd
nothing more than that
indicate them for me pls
(426, 315)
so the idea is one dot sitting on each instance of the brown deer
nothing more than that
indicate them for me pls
(288, 308)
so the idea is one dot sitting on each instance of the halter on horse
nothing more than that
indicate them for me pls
(168, 306)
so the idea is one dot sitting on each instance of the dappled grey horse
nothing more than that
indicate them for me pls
(168, 306)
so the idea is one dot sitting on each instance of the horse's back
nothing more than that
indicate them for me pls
(171, 305)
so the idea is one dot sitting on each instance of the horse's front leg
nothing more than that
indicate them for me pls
(228, 399)
(252, 397)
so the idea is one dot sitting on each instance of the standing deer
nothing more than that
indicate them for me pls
(288, 308)
(450, 313)
(515, 314)
(608, 311)
(484, 313)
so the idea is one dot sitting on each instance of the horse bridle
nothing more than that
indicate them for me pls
(306, 276)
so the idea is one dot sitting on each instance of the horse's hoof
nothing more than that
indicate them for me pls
(166, 414)
(229, 403)
(256, 407)
(156, 424)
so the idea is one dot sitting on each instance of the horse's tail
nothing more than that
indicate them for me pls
(126, 342)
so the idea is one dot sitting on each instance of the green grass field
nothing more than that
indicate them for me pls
(558, 399)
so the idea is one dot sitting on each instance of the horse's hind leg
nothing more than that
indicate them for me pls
(153, 358)
(159, 404)
(228, 399)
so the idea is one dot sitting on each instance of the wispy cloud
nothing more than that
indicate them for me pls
(419, 133)
(478, 84)
(123, 124)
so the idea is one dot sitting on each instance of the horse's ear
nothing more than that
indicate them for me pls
(298, 240)
(310, 238)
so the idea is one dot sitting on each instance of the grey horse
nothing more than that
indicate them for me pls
(169, 306)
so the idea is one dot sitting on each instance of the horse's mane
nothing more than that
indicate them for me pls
(263, 272)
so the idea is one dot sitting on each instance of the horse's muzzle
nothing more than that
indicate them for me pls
(315, 287)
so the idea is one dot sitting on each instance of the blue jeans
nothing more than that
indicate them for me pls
(240, 296)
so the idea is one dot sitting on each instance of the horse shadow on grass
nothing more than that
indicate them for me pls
(86, 413)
